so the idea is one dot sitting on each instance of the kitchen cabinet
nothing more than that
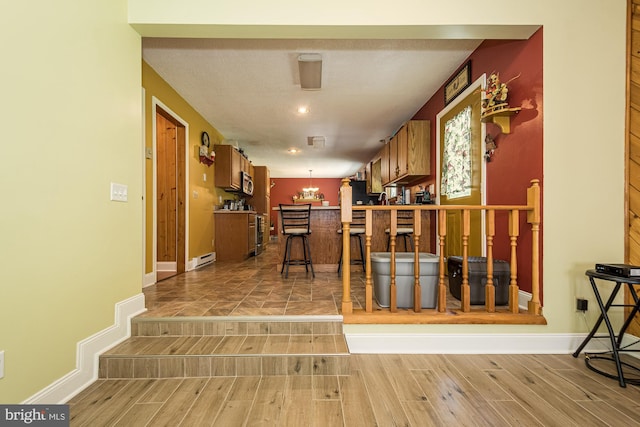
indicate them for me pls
(235, 234)
(246, 166)
(261, 200)
(229, 163)
(374, 176)
(385, 174)
(410, 153)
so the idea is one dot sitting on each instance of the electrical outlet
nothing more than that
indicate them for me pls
(582, 304)
(2, 364)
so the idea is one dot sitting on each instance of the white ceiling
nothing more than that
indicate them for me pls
(249, 91)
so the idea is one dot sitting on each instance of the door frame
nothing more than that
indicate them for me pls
(479, 84)
(155, 103)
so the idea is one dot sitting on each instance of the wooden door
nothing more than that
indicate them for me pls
(170, 191)
(167, 208)
(453, 240)
(632, 244)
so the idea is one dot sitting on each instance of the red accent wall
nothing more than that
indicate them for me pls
(518, 157)
(285, 188)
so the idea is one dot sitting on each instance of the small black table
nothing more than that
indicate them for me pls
(616, 340)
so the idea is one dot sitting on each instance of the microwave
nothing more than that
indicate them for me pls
(247, 183)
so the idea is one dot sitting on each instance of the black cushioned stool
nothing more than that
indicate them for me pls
(404, 230)
(296, 224)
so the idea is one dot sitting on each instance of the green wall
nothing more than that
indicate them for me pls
(72, 113)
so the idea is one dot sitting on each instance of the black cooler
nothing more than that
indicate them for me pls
(478, 278)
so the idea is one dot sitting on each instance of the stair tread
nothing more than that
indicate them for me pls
(232, 326)
(202, 347)
(211, 345)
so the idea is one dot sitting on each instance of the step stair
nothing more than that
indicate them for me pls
(211, 347)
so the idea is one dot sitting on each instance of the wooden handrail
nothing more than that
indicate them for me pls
(532, 210)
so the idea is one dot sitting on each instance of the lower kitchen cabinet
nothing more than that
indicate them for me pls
(235, 235)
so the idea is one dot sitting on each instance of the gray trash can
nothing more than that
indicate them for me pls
(381, 271)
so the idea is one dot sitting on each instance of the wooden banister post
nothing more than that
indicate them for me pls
(346, 217)
(442, 288)
(533, 218)
(393, 290)
(368, 232)
(514, 232)
(465, 291)
(490, 289)
(417, 290)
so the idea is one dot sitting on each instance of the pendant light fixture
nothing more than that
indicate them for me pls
(310, 192)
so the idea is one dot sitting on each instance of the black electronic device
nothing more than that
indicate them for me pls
(623, 270)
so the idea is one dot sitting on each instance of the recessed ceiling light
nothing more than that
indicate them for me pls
(292, 151)
(303, 110)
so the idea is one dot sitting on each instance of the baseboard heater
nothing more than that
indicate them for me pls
(205, 259)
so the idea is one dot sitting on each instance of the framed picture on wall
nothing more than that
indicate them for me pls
(457, 83)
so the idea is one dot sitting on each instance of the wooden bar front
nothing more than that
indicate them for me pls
(326, 242)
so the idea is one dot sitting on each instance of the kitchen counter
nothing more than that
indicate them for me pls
(326, 242)
(235, 234)
(227, 211)
(316, 208)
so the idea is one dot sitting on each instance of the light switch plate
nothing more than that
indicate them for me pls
(118, 192)
(148, 152)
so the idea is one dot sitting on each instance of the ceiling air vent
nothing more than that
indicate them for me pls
(315, 141)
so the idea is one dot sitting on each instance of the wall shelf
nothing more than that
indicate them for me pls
(501, 117)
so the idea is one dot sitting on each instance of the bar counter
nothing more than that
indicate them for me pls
(325, 241)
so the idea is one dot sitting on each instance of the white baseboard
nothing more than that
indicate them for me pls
(166, 266)
(149, 279)
(469, 343)
(523, 300)
(87, 354)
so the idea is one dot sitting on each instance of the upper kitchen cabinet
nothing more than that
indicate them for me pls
(374, 175)
(385, 173)
(246, 166)
(229, 164)
(261, 199)
(410, 153)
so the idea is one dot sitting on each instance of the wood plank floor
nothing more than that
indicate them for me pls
(383, 390)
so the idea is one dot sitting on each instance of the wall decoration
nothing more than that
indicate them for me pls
(458, 83)
(206, 157)
(495, 108)
(490, 147)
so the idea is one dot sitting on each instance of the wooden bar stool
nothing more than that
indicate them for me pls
(405, 229)
(296, 224)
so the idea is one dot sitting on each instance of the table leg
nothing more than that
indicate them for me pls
(604, 309)
(631, 315)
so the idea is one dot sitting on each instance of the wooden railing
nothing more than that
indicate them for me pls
(463, 312)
